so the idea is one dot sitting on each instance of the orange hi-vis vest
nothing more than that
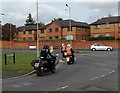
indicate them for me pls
(68, 49)
(63, 48)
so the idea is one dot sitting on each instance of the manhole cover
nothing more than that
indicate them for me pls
(93, 88)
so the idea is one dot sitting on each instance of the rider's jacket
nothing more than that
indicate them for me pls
(69, 51)
(63, 48)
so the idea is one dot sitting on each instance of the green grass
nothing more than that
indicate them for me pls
(22, 65)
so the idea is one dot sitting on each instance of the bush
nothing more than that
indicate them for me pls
(101, 38)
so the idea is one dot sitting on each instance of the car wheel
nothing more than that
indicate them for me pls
(93, 49)
(108, 49)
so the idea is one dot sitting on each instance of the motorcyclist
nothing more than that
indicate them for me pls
(70, 52)
(46, 55)
(63, 49)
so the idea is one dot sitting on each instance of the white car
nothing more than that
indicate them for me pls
(98, 46)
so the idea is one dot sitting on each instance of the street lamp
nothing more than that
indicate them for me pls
(37, 33)
(70, 24)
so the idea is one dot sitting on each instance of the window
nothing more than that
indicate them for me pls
(68, 29)
(23, 32)
(30, 32)
(107, 25)
(56, 37)
(119, 33)
(97, 26)
(17, 33)
(107, 35)
(24, 39)
(119, 25)
(49, 30)
(30, 39)
(50, 38)
(56, 29)
(79, 28)
(42, 31)
(96, 35)
(41, 38)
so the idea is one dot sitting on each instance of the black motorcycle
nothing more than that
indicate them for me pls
(42, 66)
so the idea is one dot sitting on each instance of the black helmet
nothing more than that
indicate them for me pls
(45, 47)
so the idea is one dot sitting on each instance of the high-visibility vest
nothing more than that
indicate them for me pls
(68, 51)
(63, 48)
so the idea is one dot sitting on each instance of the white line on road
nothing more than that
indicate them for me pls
(103, 75)
(62, 88)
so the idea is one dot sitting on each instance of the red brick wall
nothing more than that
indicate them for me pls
(76, 45)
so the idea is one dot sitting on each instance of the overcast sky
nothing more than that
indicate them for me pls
(88, 11)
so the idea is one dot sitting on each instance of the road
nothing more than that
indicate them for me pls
(92, 71)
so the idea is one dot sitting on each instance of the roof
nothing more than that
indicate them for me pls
(110, 20)
(27, 27)
(61, 23)
(65, 23)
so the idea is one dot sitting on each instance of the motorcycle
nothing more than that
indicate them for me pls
(42, 66)
(69, 60)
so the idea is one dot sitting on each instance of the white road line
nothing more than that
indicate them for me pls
(103, 75)
(62, 88)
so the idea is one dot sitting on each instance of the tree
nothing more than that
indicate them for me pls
(58, 19)
(29, 20)
(8, 31)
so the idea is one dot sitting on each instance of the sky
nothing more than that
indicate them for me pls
(16, 12)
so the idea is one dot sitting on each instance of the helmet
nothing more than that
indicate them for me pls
(63, 44)
(45, 47)
(68, 45)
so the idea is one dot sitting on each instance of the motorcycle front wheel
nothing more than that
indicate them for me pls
(39, 72)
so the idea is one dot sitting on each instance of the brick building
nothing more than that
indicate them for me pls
(108, 26)
(55, 30)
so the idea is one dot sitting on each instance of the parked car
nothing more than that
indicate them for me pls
(32, 47)
(98, 46)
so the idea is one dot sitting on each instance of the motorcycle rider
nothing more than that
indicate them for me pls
(70, 52)
(63, 49)
(45, 53)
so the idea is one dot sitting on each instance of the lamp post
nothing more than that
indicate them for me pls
(70, 24)
(37, 33)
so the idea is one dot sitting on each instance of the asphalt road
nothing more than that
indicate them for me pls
(92, 71)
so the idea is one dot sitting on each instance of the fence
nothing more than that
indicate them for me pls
(76, 45)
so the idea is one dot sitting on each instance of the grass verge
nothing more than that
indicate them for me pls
(22, 65)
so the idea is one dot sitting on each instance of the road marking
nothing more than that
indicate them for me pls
(62, 88)
(103, 75)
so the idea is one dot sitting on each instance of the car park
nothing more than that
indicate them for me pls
(99, 46)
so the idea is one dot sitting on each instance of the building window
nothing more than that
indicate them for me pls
(119, 33)
(96, 35)
(50, 30)
(50, 38)
(42, 31)
(79, 28)
(41, 38)
(30, 39)
(24, 39)
(56, 37)
(68, 29)
(119, 25)
(107, 35)
(97, 26)
(30, 32)
(24, 32)
(17, 33)
(107, 25)
(56, 29)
